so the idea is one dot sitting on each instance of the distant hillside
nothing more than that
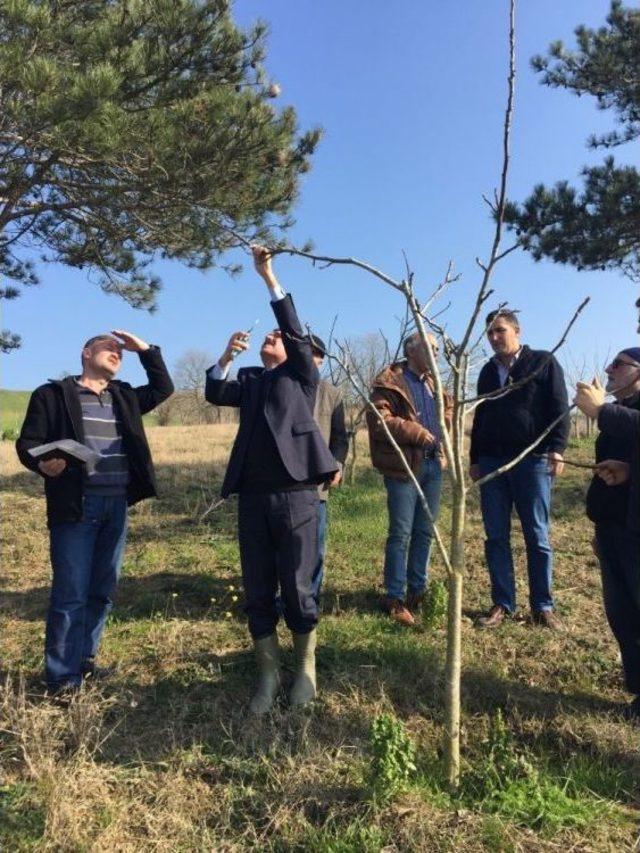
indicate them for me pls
(13, 405)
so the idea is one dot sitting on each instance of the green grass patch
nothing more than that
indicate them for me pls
(22, 817)
(13, 405)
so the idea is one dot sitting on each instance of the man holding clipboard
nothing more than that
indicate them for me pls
(88, 489)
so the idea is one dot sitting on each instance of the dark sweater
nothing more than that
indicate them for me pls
(624, 423)
(505, 426)
(263, 470)
(54, 412)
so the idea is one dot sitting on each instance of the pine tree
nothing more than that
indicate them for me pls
(135, 130)
(598, 225)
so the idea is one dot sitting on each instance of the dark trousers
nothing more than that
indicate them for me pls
(619, 556)
(85, 557)
(278, 534)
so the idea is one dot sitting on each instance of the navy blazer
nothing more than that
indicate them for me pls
(288, 406)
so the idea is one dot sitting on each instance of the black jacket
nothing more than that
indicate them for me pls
(623, 424)
(288, 407)
(507, 425)
(54, 412)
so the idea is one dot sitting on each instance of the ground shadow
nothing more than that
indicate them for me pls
(212, 710)
(172, 594)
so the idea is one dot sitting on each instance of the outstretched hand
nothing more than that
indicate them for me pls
(262, 262)
(130, 342)
(238, 342)
(590, 397)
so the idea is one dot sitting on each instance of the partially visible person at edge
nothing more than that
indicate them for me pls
(613, 504)
(277, 461)
(87, 512)
(502, 428)
(403, 394)
(328, 413)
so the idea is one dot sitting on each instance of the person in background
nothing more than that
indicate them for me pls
(87, 513)
(328, 413)
(403, 394)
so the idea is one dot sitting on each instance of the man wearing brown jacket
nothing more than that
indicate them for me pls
(403, 394)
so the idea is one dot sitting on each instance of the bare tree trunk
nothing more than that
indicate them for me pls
(351, 473)
(453, 664)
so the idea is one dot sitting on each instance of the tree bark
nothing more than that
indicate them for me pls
(453, 665)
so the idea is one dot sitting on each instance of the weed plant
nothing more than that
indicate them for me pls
(434, 607)
(393, 762)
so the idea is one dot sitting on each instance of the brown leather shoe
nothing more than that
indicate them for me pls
(548, 619)
(415, 600)
(399, 613)
(494, 618)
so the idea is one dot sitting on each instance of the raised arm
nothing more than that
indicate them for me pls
(218, 389)
(159, 386)
(294, 338)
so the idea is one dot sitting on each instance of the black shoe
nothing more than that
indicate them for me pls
(62, 694)
(98, 673)
(631, 712)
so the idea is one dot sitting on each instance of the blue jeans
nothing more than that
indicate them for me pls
(406, 556)
(86, 557)
(318, 574)
(527, 486)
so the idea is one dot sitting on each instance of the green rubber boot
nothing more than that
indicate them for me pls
(268, 659)
(304, 686)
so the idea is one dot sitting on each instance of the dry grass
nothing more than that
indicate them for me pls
(163, 757)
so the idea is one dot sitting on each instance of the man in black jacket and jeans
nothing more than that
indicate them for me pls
(87, 511)
(503, 426)
(278, 459)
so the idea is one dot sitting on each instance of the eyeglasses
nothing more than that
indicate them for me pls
(618, 362)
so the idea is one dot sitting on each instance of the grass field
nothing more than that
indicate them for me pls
(13, 405)
(163, 757)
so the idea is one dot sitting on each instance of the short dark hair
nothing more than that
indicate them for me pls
(511, 317)
(95, 339)
(92, 341)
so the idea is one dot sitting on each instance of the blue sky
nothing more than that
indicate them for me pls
(411, 97)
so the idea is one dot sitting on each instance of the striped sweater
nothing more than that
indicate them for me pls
(103, 433)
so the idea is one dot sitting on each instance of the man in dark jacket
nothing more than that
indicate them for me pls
(87, 510)
(278, 459)
(527, 395)
(613, 506)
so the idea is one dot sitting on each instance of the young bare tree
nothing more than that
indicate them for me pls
(459, 356)
(367, 355)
